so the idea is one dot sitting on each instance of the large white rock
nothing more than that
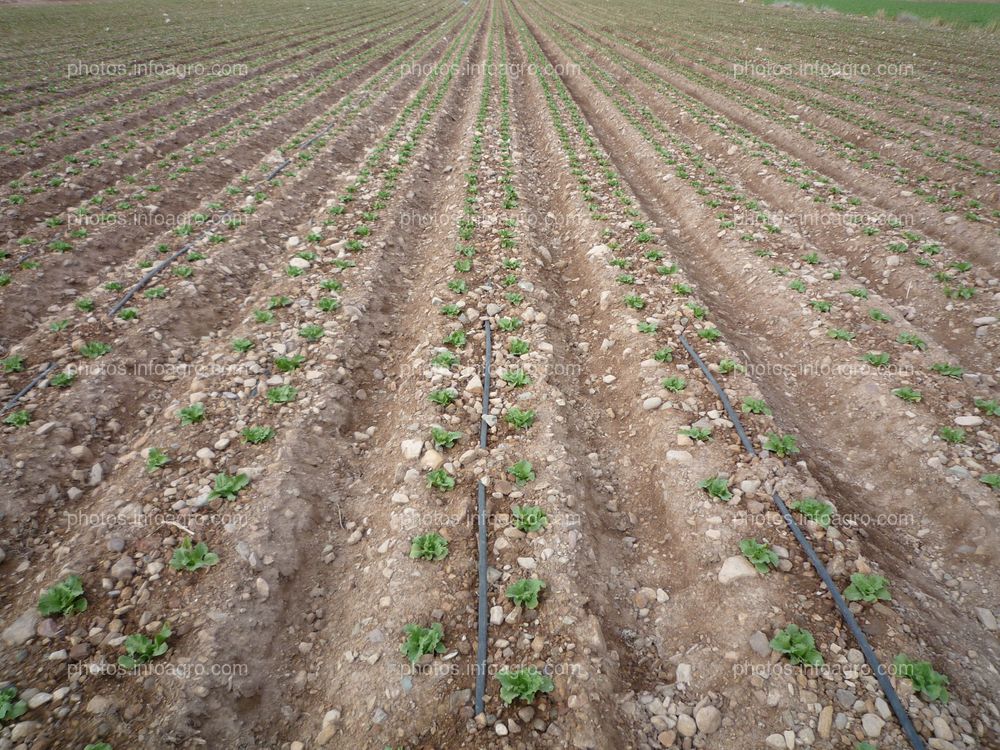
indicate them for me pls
(735, 568)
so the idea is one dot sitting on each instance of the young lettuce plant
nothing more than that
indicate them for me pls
(430, 546)
(228, 487)
(798, 645)
(815, 510)
(867, 588)
(440, 480)
(529, 518)
(156, 459)
(930, 684)
(520, 418)
(65, 598)
(781, 445)
(522, 472)
(140, 649)
(443, 397)
(717, 487)
(515, 378)
(443, 438)
(10, 707)
(755, 406)
(523, 684)
(420, 641)
(192, 414)
(257, 435)
(760, 555)
(191, 557)
(674, 383)
(524, 593)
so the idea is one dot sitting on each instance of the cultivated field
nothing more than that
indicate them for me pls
(498, 374)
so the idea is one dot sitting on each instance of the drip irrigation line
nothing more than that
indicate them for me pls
(916, 741)
(38, 378)
(141, 284)
(481, 522)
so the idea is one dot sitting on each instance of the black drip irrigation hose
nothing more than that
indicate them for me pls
(141, 284)
(916, 741)
(481, 516)
(37, 379)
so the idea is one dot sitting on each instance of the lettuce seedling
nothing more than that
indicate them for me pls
(760, 555)
(867, 588)
(909, 395)
(717, 487)
(518, 347)
(228, 487)
(10, 707)
(523, 684)
(674, 383)
(913, 340)
(508, 324)
(525, 592)
(953, 435)
(666, 354)
(192, 557)
(156, 459)
(989, 406)
(456, 339)
(431, 546)
(520, 418)
(257, 435)
(515, 378)
(529, 518)
(19, 418)
(876, 359)
(930, 684)
(781, 445)
(439, 479)
(287, 364)
(949, 371)
(192, 414)
(755, 406)
(443, 397)
(443, 438)
(13, 363)
(312, 332)
(815, 510)
(444, 359)
(522, 472)
(420, 641)
(141, 649)
(701, 434)
(65, 598)
(63, 380)
(798, 645)
(94, 349)
(281, 394)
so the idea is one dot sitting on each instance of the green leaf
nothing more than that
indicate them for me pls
(867, 588)
(420, 641)
(192, 557)
(228, 487)
(798, 645)
(65, 598)
(930, 684)
(523, 684)
(430, 546)
(525, 592)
